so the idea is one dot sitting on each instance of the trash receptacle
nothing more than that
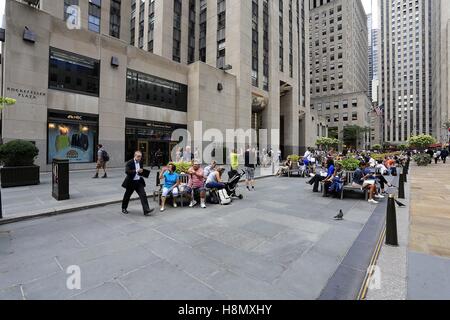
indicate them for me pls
(60, 179)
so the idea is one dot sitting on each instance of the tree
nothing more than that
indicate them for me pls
(6, 102)
(421, 142)
(377, 147)
(327, 143)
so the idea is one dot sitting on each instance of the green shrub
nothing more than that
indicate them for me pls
(421, 141)
(18, 153)
(377, 147)
(422, 159)
(349, 164)
(182, 167)
(294, 157)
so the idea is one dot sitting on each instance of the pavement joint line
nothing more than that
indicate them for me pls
(23, 293)
(58, 263)
(124, 288)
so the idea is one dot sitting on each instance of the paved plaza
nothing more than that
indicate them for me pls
(280, 242)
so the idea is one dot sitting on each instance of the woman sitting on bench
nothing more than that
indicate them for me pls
(363, 180)
(318, 178)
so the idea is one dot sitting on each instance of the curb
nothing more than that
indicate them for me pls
(55, 212)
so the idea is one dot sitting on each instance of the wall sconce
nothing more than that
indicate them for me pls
(114, 62)
(219, 87)
(29, 35)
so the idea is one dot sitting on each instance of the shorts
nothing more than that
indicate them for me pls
(250, 173)
(174, 192)
(198, 190)
(101, 164)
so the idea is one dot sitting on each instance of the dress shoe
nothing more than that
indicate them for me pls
(125, 211)
(147, 213)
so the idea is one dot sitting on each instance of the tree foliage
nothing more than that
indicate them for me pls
(421, 141)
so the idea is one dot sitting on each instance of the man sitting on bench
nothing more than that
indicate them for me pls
(363, 179)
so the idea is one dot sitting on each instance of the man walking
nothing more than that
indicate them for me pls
(102, 159)
(250, 162)
(444, 155)
(135, 182)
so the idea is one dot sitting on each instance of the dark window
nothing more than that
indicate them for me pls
(202, 35)
(157, 92)
(114, 24)
(95, 13)
(72, 72)
(177, 8)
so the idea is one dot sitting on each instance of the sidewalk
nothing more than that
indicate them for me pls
(419, 269)
(85, 192)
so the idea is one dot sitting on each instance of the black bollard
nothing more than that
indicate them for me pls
(391, 223)
(401, 187)
(405, 176)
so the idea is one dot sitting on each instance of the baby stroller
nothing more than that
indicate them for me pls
(233, 182)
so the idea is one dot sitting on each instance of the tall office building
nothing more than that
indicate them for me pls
(339, 65)
(129, 73)
(406, 69)
(441, 68)
(376, 119)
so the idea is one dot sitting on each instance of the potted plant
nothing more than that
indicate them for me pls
(18, 157)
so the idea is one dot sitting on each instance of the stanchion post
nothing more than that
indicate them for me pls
(1, 205)
(401, 187)
(391, 223)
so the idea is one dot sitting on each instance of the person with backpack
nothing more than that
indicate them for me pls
(102, 159)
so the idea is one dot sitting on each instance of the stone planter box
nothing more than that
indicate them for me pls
(20, 176)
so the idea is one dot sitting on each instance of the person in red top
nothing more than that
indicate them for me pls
(196, 184)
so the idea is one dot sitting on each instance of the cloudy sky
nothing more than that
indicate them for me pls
(366, 4)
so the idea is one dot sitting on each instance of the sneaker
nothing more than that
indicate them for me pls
(379, 196)
(162, 209)
(192, 204)
(203, 205)
(373, 201)
(175, 205)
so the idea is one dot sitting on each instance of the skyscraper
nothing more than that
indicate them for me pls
(339, 65)
(440, 70)
(406, 69)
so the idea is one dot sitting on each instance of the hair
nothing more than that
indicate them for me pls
(362, 164)
(174, 167)
(330, 162)
(100, 146)
(138, 153)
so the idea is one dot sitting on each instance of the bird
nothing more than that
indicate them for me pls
(340, 216)
(401, 205)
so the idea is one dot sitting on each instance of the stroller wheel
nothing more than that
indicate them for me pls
(241, 197)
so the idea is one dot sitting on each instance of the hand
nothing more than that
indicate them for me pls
(140, 170)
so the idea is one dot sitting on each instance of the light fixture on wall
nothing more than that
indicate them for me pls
(114, 62)
(29, 35)
(219, 86)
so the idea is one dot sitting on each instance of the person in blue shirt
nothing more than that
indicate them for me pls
(171, 183)
(318, 178)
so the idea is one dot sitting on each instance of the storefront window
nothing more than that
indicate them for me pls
(72, 136)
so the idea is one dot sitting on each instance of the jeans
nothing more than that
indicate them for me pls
(316, 181)
(216, 185)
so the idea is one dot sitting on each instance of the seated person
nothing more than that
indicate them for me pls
(171, 183)
(196, 185)
(209, 169)
(214, 180)
(287, 165)
(361, 180)
(335, 184)
(382, 181)
(318, 177)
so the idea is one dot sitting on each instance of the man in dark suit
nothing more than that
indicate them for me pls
(135, 182)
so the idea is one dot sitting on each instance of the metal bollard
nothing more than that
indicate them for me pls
(401, 187)
(405, 176)
(1, 205)
(391, 223)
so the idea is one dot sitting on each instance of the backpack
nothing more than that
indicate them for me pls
(213, 197)
(105, 156)
(224, 197)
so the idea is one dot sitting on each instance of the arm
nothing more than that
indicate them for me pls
(129, 170)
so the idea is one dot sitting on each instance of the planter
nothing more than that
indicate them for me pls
(20, 176)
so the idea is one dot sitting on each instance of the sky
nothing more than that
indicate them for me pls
(366, 4)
